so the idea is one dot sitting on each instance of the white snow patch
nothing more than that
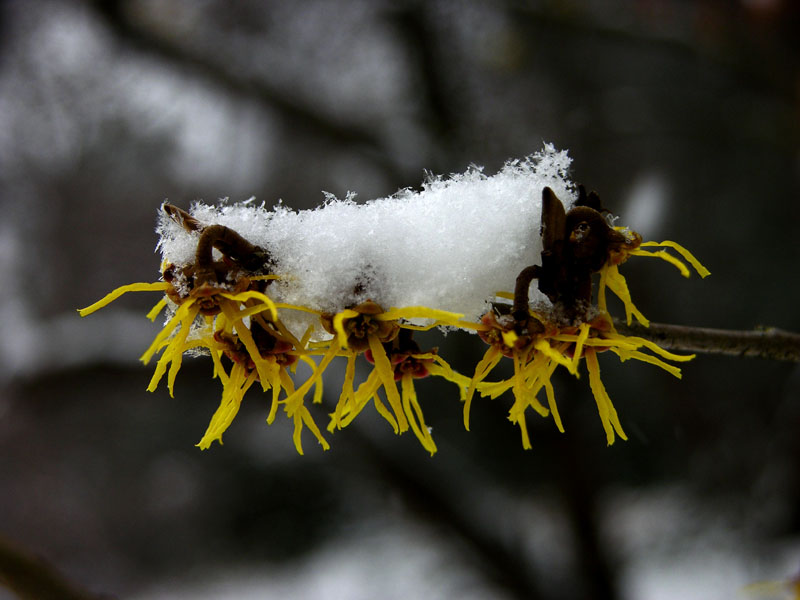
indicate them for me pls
(449, 246)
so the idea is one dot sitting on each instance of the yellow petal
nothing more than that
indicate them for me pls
(659, 350)
(441, 368)
(535, 384)
(385, 413)
(551, 401)
(250, 311)
(384, 368)
(419, 312)
(413, 412)
(653, 360)
(246, 338)
(688, 256)
(288, 385)
(494, 389)
(170, 326)
(471, 325)
(347, 397)
(304, 340)
(616, 283)
(232, 396)
(531, 378)
(157, 309)
(608, 414)
(366, 391)
(666, 257)
(523, 429)
(219, 370)
(296, 307)
(298, 430)
(303, 417)
(545, 348)
(482, 370)
(578, 352)
(276, 392)
(601, 289)
(299, 345)
(296, 397)
(179, 343)
(159, 286)
(173, 352)
(286, 381)
(253, 295)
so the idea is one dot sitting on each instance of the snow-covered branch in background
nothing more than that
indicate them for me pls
(510, 257)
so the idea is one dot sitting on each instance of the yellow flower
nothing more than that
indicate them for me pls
(399, 360)
(263, 352)
(242, 325)
(544, 346)
(367, 328)
(576, 244)
(221, 307)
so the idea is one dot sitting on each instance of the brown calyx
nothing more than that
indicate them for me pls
(205, 294)
(269, 344)
(361, 327)
(401, 351)
(527, 331)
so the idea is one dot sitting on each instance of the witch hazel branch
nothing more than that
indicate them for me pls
(524, 258)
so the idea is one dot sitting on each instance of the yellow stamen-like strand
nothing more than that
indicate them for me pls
(246, 337)
(154, 312)
(482, 369)
(384, 368)
(174, 351)
(413, 412)
(253, 295)
(578, 352)
(238, 383)
(159, 286)
(616, 283)
(296, 397)
(419, 312)
(608, 414)
(688, 256)
(179, 315)
(666, 257)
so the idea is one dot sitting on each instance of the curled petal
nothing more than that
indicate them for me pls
(159, 286)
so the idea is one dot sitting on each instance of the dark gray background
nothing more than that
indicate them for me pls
(684, 117)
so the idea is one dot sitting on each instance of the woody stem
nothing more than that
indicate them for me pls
(770, 343)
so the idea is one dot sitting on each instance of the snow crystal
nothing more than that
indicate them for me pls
(451, 245)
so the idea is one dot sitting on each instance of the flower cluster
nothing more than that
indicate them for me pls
(238, 302)
(577, 244)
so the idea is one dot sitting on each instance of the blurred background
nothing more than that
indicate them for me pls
(684, 116)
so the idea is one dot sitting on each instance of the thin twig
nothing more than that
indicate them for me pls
(771, 343)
